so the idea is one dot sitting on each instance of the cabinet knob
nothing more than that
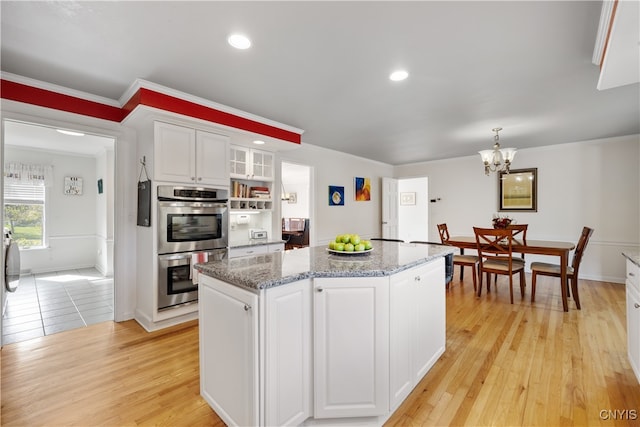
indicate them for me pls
(417, 278)
(247, 307)
(631, 274)
(320, 289)
(199, 178)
(193, 178)
(636, 305)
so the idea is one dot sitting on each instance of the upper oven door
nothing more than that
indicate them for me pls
(191, 226)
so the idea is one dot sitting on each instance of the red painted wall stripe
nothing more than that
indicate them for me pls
(46, 98)
(191, 109)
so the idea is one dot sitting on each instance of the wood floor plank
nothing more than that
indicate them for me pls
(505, 365)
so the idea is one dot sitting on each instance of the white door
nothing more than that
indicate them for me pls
(390, 208)
(351, 337)
(288, 371)
(229, 351)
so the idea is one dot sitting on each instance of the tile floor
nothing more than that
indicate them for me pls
(48, 303)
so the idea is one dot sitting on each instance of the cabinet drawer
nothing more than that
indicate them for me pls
(633, 275)
(251, 250)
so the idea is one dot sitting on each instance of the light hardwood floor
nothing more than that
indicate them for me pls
(505, 365)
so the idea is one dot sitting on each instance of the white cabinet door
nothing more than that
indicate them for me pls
(239, 162)
(174, 153)
(417, 326)
(633, 329)
(246, 163)
(430, 317)
(212, 159)
(351, 346)
(288, 359)
(262, 167)
(229, 351)
(401, 335)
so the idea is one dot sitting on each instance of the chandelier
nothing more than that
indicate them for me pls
(498, 159)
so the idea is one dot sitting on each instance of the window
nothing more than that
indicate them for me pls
(24, 212)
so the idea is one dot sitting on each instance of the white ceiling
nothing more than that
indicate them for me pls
(46, 138)
(323, 67)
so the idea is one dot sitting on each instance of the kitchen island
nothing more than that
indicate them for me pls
(307, 337)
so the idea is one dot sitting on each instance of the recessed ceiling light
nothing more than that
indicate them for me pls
(239, 41)
(70, 132)
(396, 76)
(258, 142)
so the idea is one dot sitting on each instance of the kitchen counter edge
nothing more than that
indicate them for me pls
(259, 272)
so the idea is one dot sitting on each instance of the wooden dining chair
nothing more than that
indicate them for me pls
(519, 236)
(496, 257)
(461, 261)
(546, 269)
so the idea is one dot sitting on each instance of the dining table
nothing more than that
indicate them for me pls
(534, 247)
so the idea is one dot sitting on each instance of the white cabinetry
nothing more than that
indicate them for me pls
(417, 326)
(288, 354)
(229, 351)
(351, 346)
(247, 163)
(255, 250)
(633, 316)
(190, 156)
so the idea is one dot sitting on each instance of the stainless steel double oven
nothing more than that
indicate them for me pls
(192, 228)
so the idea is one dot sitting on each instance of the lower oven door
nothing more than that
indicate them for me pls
(176, 284)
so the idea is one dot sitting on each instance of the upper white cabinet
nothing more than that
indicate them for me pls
(190, 156)
(247, 163)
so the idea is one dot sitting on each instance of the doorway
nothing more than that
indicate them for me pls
(296, 205)
(62, 216)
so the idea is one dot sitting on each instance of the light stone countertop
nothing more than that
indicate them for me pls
(275, 269)
(633, 256)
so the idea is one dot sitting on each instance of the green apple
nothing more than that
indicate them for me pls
(359, 247)
(339, 238)
(339, 247)
(355, 239)
(346, 238)
(332, 245)
(367, 245)
(348, 247)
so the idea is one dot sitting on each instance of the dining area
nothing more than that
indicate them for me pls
(500, 251)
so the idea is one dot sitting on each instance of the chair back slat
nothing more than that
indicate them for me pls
(444, 233)
(580, 247)
(519, 232)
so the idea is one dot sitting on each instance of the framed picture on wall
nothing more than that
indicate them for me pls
(518, 190)
(72, 186)
(362, 189)
(408, 198)
(336, 195)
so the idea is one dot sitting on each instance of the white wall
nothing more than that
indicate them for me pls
(591, 183)
(70, 221)
(413, 220)
(335, 168)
